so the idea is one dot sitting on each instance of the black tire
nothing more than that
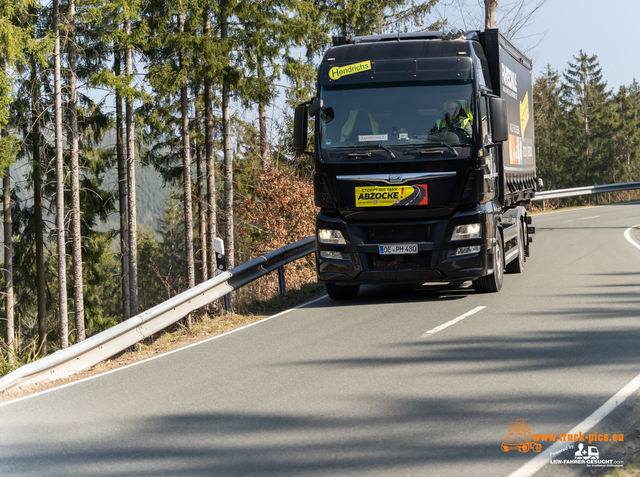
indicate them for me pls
(493, 283)
(345, 292)
(517, 265)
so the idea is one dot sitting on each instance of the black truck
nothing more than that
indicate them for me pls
(424, 159)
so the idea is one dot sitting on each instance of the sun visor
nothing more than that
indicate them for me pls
(396, 70)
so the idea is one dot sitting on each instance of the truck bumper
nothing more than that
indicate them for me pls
(438, 258)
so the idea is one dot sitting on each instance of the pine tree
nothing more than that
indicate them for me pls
(230, 78)
(122, 196)
(15, 34)
(131, 176)
(208, 67)
(627, 135)
(60, 184)
(549, 122)
(589, 119)
(74, 170)
(35, 135)
(186, 163)
(200, 185)
(118, 23)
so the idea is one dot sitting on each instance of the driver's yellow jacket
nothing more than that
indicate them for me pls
(463, 122)
(348, 126)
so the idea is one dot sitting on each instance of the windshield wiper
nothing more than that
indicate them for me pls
(440, 144)
(380, 146)
(368, 154)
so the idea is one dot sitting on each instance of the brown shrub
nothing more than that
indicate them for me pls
(279, 211)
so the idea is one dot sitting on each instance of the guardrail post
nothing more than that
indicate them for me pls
(597, 199)
(281, 283)
(222, 267)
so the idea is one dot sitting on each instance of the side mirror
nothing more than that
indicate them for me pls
(300, 122)
(499, 126)
(316, 106)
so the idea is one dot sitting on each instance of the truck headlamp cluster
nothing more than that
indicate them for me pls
(465, 232)
(334, 237)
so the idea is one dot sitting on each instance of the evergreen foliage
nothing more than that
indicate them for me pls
(585, 134)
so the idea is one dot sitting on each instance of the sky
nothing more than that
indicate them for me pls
(604, 28)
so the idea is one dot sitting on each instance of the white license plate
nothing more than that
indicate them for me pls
(398, 248)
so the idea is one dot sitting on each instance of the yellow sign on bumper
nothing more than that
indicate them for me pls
(391, 196)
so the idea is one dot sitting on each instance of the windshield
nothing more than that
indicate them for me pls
(397, 115)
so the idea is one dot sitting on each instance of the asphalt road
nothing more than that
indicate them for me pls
(360, 387)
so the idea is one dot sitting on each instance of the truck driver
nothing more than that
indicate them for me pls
(456, 116)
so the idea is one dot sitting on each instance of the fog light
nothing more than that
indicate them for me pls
(331, 236)
(468, 250)
(333, 255)
(467, 231)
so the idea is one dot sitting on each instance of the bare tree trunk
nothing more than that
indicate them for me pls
(228, 160)
(202, 205)
(37, 210)
(186, 164)
(131, 186)
(76, 233)
(8, 254)
(211, 170)
(490, 7)
(262, 117)
(62, 264)
(122, 200)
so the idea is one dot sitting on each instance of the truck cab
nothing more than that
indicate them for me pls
(409, 152)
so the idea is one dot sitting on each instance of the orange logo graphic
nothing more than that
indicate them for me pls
(519, 437)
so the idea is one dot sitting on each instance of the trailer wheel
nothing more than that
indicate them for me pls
(347, 292)
(517, 265)
(493, 283)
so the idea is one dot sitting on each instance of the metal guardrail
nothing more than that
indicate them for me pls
(561, 193)
(103, 345)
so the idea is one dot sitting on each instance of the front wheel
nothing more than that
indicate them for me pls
(493, 283)
(345, 292)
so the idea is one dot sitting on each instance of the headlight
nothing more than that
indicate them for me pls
(331, 236)
(464, 232)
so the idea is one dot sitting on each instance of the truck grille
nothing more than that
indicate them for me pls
(398, 234)
(396, 262)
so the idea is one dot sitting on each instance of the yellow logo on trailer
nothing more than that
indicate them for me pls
(524, 113)
(339, 71)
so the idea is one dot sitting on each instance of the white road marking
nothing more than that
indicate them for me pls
(584, 218)
(540, 460)
(13, 401)
(452, 322)
(627, 235)
(585, 426)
